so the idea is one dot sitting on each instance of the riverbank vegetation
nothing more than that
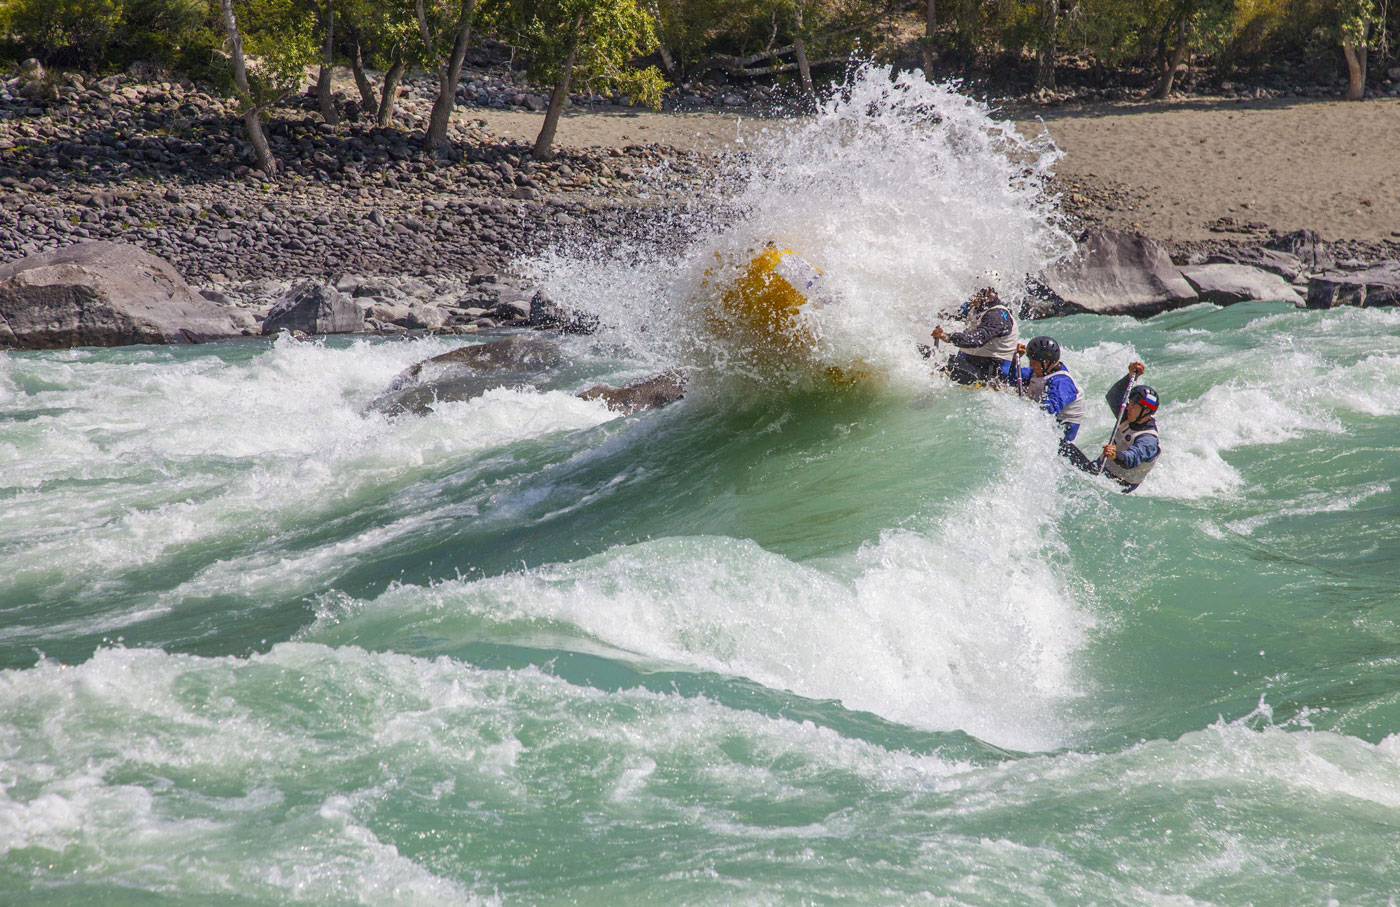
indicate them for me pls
(259, 50)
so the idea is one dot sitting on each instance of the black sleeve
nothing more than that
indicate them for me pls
(1115, 395)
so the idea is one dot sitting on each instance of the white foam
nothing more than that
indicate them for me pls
(262, 446)
(966, 622)
(903, 193)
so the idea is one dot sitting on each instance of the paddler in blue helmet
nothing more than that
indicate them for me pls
(1135, 446)
(986, 347)
(1048, 382)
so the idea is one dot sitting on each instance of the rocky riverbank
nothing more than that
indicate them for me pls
(165, 166)
(420, 241)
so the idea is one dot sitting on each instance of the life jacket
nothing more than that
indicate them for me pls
(1123, 438)
(1073, 411)
(997, 347)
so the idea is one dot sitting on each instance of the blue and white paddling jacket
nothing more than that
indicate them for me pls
(1059, 395)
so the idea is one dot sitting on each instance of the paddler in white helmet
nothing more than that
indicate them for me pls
(986, 347)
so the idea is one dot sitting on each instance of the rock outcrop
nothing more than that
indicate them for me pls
(314, 308)
(1378, 286)
(1119, 273)
(106, 294)
(1226, 284)
(1285, 264)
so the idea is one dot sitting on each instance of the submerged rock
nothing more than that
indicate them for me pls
(106, 294)
(469, 372)
(649, 393)
(1119, 273)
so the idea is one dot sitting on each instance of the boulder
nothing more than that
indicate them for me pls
(106, 294)
(1285, 264)
(469, 372)
(1225, 284)
(1307, 246)
(411, 316)
(1119, 273)
(1376, 286)
(649, 393)
(314, 308)
(546, 313)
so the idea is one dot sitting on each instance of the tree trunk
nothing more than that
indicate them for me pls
(544, 142)
(392, 78)
(323, 80)
(449, 77)
(799, 50)
(1356, 71)
(1163, 88)
(251, 116)
(368, 102)
(927, 48)
(1045, 54)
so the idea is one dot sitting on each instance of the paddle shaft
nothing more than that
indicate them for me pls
(1122, 408)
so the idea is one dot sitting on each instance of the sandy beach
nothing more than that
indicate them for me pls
(1331, 166)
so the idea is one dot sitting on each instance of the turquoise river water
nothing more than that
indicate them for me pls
(778, 643)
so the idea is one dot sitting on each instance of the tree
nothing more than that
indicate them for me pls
(1354, 19)
(385, 36)
(591, 40)
(1046, 47)
(437, 23)
(926, 45)
(1178, 22)
(251, 114)
(323, 79)
(279, 36)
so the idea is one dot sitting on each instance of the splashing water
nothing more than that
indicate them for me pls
(907, 195)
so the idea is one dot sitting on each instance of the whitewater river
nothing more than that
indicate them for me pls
(779, 643)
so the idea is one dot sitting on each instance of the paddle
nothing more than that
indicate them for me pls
(1122, 408)
(1016, 370)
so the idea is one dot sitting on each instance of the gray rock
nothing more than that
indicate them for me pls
(650, 393)
(1119, 273)
(411, 316)
(469, 372)
(1225, 284)
(1284, 264)
(315, 309)
(1378, 286)
(1307, 246)
(106, 294)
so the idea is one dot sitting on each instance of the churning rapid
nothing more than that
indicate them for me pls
(779, 642)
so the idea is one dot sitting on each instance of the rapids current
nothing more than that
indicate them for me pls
(772, 644)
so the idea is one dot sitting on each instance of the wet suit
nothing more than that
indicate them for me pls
(1138, 445)
(985, 351)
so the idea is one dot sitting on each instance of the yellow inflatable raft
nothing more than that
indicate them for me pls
(756, 313)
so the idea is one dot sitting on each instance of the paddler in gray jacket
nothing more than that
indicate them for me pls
(1134, 448)
(986, 348)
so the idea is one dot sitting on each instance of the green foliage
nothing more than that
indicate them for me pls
(100, 34)
(279, 41)
(604, 36)
(386, 30)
